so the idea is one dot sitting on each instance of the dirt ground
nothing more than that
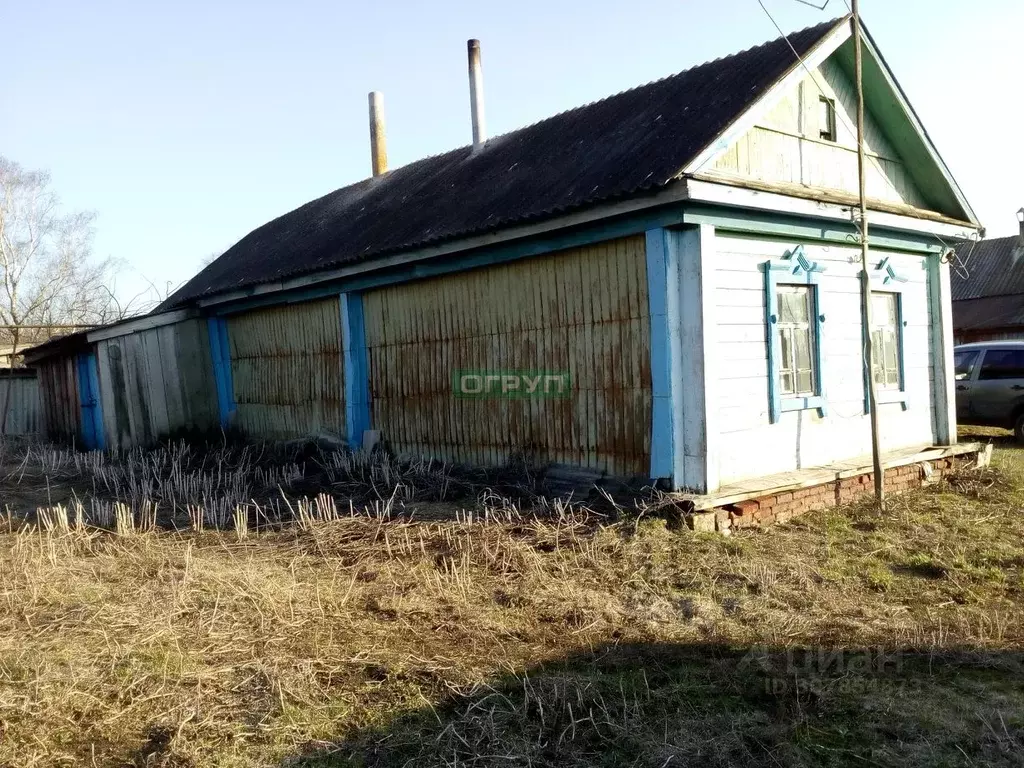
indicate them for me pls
(493, 628)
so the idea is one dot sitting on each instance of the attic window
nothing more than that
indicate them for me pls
(827, 118)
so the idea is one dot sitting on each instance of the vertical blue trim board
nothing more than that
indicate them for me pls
(794, 269)
(885, 279)
(89, 398)
(97, 412)
(662, 249)
(220, 352)
(356, 364)
(661, 381)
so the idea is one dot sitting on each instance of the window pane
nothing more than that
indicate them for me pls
(805, 383)
(889, 345)
(1003, 364)
(786, 382)
(883, 309)
(885, 339)
(892, 378)
(963, 364)
(786, 346)
(826, 119)
(802, 343)
(876, 356)
(793, 302)
(796, 338)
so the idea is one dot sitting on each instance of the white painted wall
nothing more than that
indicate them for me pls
(751, 446)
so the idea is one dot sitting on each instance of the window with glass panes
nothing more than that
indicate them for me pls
(885, 339)
(827, 118)
(796, 329)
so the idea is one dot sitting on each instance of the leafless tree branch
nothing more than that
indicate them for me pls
(48, 275)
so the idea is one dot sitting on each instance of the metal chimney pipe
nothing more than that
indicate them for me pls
(378, 144)
(476, 92)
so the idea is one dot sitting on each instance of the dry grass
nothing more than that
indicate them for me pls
(514, 633)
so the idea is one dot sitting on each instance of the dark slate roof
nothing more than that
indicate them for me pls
(988, 268)
(628, 144)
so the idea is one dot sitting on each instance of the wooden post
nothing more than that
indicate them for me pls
(869, 352)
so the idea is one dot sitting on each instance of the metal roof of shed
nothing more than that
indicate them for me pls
(988, 268)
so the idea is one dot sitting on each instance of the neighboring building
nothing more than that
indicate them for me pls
(130, 383)
(987, 280)
(680, 257)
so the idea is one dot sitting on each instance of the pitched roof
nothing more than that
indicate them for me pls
(988, 268)
(625, 145)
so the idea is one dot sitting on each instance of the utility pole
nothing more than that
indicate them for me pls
(869, 352)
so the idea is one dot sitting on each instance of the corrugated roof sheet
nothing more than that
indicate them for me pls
(988, 268)
(625, 145)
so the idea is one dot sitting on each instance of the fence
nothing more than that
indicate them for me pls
(19, 397)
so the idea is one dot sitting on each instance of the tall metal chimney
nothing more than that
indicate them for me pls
(1020, 222)
(378, 144)
(476, 92)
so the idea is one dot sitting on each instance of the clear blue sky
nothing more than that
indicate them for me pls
(185, 125)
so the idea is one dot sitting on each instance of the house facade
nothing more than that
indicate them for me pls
(678, 265)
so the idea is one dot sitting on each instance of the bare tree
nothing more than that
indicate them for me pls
(48, 277)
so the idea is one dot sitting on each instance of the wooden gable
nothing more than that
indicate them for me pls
(785, 144)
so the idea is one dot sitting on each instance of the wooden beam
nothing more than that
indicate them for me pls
(137, 324)
(836, 198)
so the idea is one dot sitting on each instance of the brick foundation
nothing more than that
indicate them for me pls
(785, 504)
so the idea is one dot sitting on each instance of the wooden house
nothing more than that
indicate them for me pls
(681, 259)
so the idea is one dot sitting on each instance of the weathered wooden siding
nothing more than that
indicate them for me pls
(287, 370)
(19, 395)
(584, 311)
(751, 446)
(156, 383)
(58, 393)
(785, 147)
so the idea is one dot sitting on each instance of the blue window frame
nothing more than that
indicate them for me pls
(887, 326)
(794, 321)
